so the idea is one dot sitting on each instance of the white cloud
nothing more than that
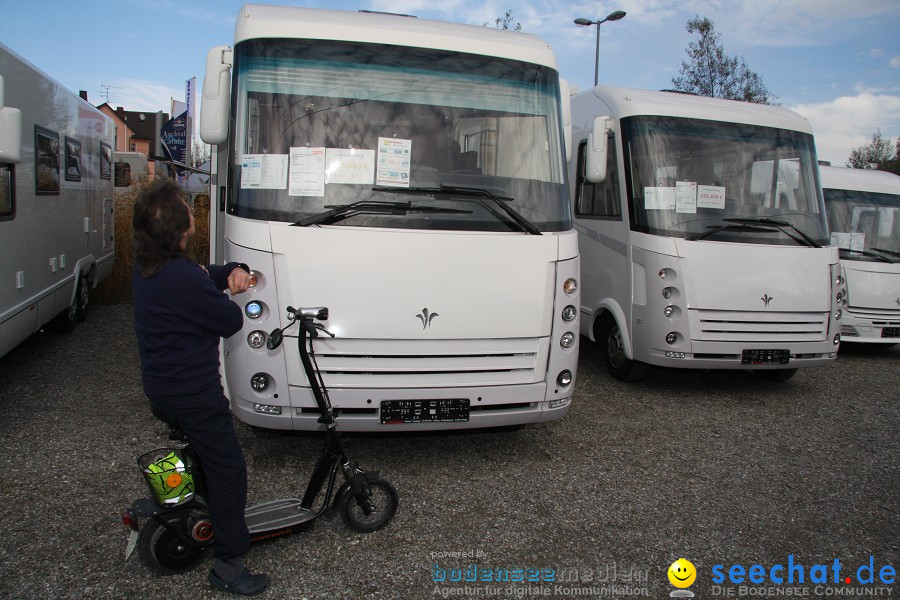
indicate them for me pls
(848, 122)
(895, 62)
(140, 94)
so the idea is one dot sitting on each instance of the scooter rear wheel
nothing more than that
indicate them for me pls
(383, 502)
(164, 552)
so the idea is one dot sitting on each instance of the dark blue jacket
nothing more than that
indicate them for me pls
(180, 312)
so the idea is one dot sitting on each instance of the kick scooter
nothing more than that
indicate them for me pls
(172, 531)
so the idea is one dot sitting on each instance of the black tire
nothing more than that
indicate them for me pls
(82, 298)
(775, 375)
(164, 552)
(619, 366)
(64, 322)
(384, 501)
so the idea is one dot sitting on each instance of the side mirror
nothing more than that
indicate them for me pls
(216, 96)
(595, 161)
(565, 99)
(274, 340)
(10, 131)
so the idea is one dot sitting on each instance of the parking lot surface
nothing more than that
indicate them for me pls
(715, 467)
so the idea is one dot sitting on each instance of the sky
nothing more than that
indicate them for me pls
(835, 62)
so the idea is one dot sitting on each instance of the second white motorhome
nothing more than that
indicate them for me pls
(702, 234)
(56, 201)
(864, 218)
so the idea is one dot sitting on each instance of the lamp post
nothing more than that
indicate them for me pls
(613, 16)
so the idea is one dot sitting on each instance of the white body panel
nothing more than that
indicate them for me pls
(64, 233)
(872, 310)
(726, 298)
(443, 314)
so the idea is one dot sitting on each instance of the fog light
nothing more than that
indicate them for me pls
(667, 292)
(253, 309)
(256, 339)
(837, 314)
(564, 378)
(669, 310)
(267, 409)
(567, 340)
(570, 286)
(569, 313)
(559, 402)
(837, 339)
(671, 338)
(670, 354)
(838, 297)
(259, 382)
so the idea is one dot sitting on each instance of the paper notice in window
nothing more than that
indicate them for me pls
(850, 241)
(307, 176)
(393, 162)
(349, 166)
(686, 196)
(711, 196)
(264, 171)
(659, 198)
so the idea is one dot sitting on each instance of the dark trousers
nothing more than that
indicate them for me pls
(206, 420)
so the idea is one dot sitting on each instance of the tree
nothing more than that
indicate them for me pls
(505, 21)
(877, 155)
(712, 73)
(199, 154)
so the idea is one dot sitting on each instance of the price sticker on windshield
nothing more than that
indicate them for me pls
(711, 196)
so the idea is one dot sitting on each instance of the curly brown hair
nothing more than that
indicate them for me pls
(161, 217)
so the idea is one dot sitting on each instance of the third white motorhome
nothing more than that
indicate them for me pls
(864, 218)
(56, 201)
(702, 234)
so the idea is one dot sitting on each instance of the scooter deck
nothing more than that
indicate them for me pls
(277, 514)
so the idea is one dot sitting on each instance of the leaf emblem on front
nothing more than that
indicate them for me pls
(426, 317)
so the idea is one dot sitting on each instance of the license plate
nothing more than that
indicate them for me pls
(765, 357)
(890, 332)
(132, 544)
(446, 410)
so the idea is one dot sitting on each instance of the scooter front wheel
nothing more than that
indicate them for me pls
(166, 553)
(381, 505)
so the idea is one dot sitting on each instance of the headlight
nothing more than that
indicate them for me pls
(667, 292)
(837, 314)
(569, 313)
(570, 286)
(669, 310)
(564, 378)
(256, 339)
(567, 340)
(254, 279)
(838, 297)
(259, 382)
(253, 309)
(671, 338)
(839, 281)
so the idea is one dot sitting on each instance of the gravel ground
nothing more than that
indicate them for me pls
(716, 467)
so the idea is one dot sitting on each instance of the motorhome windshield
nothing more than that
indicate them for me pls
(324, 124)
(690, 177)
(865, 223)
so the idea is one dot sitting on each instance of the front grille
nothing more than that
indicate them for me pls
(745, 326)
(880, 317)
(351, 363)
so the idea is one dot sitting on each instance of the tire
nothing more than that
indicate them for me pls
(383, 498)
(775, 375)
(164, 552)
(82, 298)
(65, 321)
(613, 351)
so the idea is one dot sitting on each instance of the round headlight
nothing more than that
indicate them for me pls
(669, 310)
(837, 314)
(569, 286)
(667, 292)
(256, 339)
(838, 297)
(671, 338)
(569, 313)
(253, 309)
(839, 281)
(254, 278)
(564, 378)
(567, 340)
(259, 382)
(837, 339)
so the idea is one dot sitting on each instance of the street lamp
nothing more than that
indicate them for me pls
(613, 16)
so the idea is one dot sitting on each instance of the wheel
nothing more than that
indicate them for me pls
(775, 374)
(383, 501)
(82, 298)
(613, 350)
(164, 552)
(64, 322)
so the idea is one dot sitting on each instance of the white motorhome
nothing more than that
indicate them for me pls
(409, 175)
(702, 235)
(56, 201)
(864, 218)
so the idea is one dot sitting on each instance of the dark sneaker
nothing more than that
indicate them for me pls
(246, 584)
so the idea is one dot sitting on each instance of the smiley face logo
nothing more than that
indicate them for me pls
(682, 573)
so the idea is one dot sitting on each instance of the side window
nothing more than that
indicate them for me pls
(123, 174)
(46, 150)
(598, 200)
(73, 159)
(7, 192)
(106, 156)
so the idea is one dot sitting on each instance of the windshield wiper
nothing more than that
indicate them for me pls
(780, 225)
(867, 253)
(345, 211)
(886, 251)
(524, 224)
